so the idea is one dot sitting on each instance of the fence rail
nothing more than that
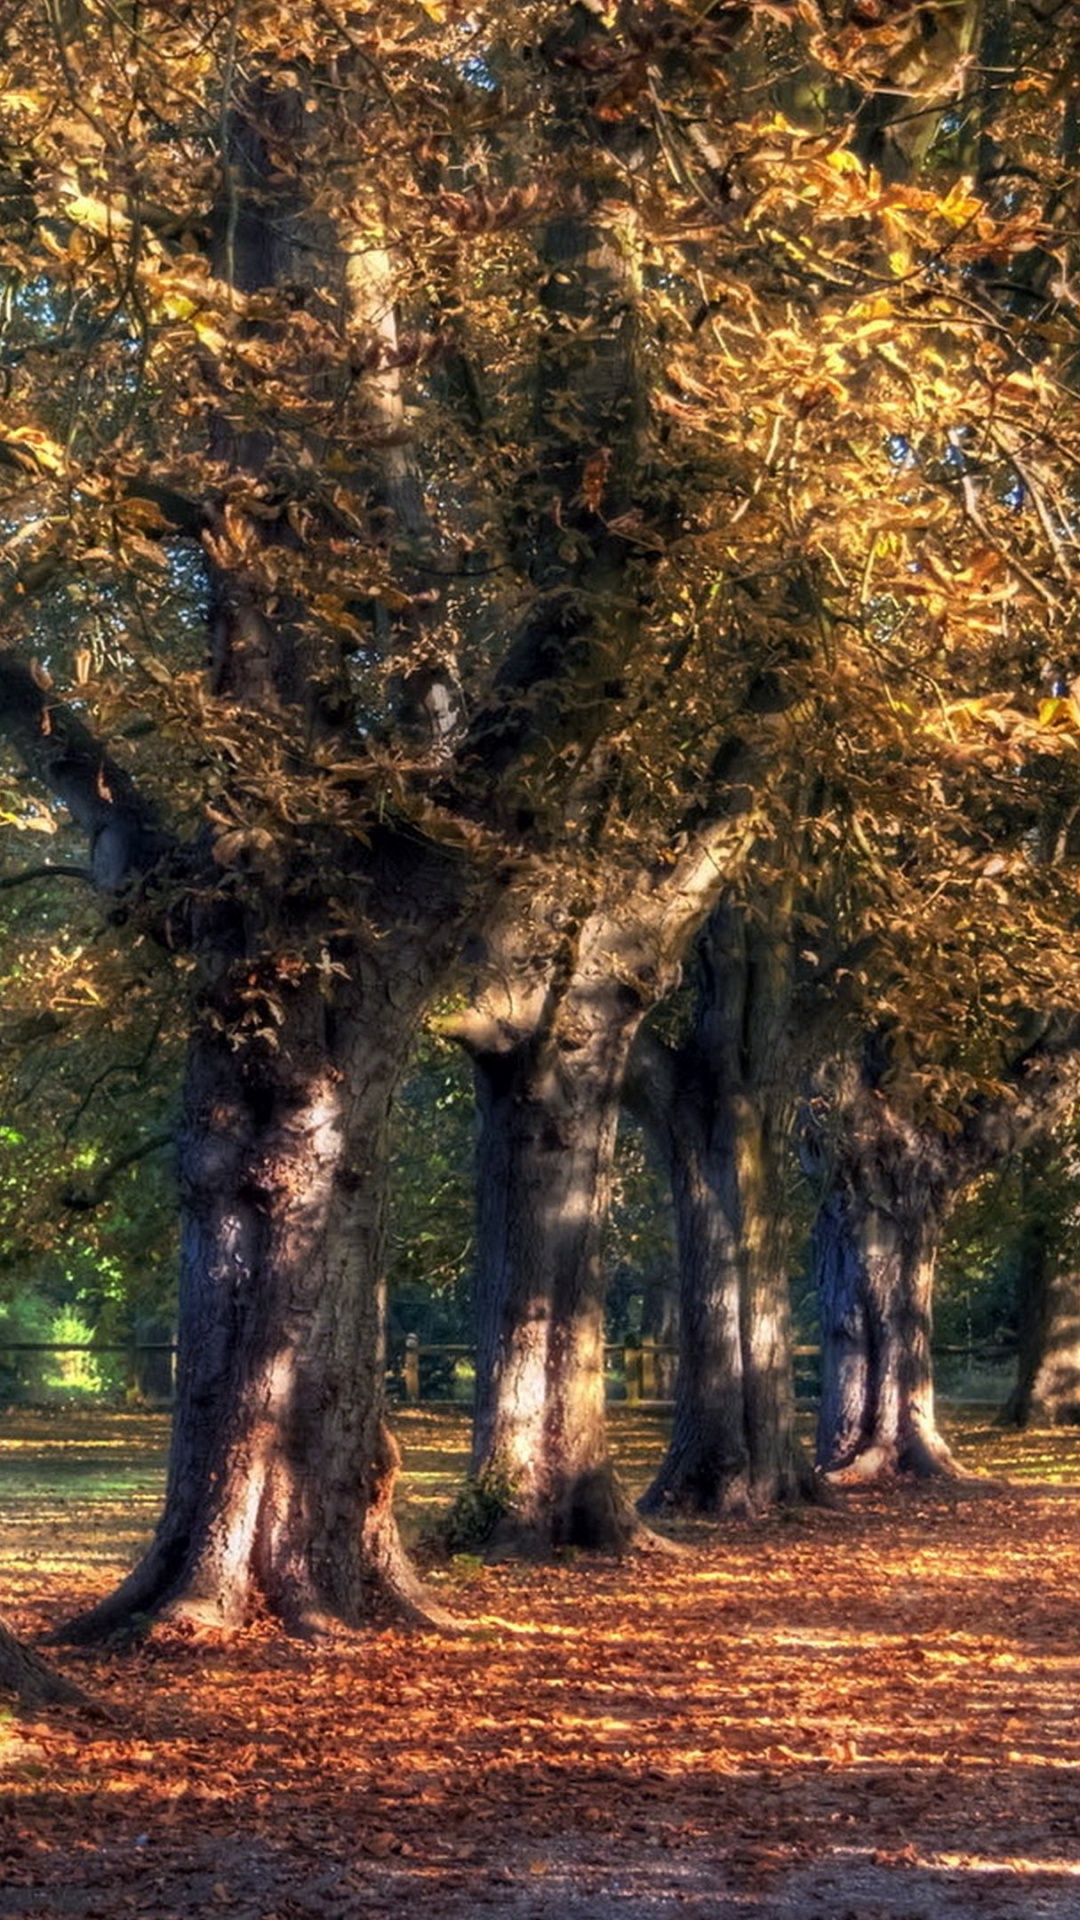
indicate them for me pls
(638, 1369)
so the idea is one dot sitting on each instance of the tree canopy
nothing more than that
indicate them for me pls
(467, 474)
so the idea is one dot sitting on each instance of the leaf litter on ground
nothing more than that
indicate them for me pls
(865, 1713)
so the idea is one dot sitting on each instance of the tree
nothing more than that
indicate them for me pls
(314, 857)
(893, 1170)
(455, 575)
(718, 1109)
(564, 991)
(1047, 1390)
(873, 1250)
(317, 938)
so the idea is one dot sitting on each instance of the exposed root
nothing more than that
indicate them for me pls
(921, 1456)
(36, 1685)
(732, 1492)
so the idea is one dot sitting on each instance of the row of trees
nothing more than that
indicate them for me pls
(495, 502)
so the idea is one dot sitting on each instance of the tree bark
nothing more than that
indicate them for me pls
(873, 1265)
(718, 1113)
(889, 1185)
(1047, 1391)
(279, 1494)
(281, 1472)
(34, 1683)
(562, 994)
(548, 1111)
(888, 1179)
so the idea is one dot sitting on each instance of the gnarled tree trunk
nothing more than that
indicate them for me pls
(281, 1471)
(548, 1110)
(718, 1114)
(889, 1184)
(873, 1265)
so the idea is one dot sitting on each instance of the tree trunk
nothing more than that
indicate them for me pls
(281, 1473)
(717, 1112)
(33, 1683)
(874, 1271)
(733, 1448)
(548, 1118)
(562, 995)
(873, 1254)
(1047, 1391)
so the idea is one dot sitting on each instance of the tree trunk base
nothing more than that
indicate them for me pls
(389, 1593)
(116, 1623)
(35, 1684)
(590, 1513)
(922, 1456)
(697, 1490)
(1021, 1410)
(194, 1576)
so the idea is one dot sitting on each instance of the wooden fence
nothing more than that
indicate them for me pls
(641, 1370)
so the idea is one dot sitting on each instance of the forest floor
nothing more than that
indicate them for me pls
(861, 1714)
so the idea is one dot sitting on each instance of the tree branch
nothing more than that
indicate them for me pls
(85, 1199)
(126, 838)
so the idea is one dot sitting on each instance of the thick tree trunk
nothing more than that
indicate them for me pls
(874, 1247)
(874, 1270)
(548, 1119)
(733, 1448)
(718, 1115)
(281, 1474)
(890, 1180)
(561, 997)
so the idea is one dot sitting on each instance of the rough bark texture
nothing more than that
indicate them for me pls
(561, 994)
(888, 1179)
(874, 1247)
(281, 1472)
(280, 1478)
(718, 1113)
(548, 1110)
(873, 1265)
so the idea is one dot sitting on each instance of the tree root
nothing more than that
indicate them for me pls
(35, 1684)
(920, 1456)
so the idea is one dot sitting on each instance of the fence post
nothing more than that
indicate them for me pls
(412, 1368)
(647, 1360)
(632, 1368)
